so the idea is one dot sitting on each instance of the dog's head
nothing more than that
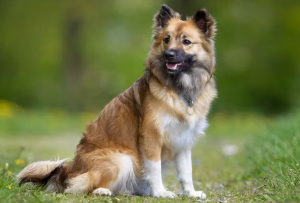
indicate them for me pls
(182, 53)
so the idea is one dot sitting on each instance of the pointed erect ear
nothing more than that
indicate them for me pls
(164, 15)
(205, 23)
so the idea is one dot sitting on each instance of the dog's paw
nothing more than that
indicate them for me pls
(199, 194)
(102, 191)
(164, 193)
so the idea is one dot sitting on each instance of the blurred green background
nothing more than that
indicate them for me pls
(77, 55)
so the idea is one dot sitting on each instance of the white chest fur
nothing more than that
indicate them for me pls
(179, 135)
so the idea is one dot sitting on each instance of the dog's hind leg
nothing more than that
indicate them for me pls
(102, 176)
(79, 184)
(129, 179)
(88, 182)
(112, 173)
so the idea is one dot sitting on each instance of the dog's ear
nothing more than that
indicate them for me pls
(162, 18)
(164, 15)
(205, 23)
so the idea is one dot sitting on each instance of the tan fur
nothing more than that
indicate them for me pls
(131, 124)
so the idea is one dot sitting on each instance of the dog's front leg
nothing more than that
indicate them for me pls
(151, 153)
(183, 164)
(153, 176)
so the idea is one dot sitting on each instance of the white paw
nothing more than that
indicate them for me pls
(164, 193)
(199, 194)
(102, 191)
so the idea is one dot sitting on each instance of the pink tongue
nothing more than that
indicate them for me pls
(172, 66)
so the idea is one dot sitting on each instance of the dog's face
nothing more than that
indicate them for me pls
(183, 51)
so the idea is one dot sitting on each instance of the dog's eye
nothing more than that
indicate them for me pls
(186, 42)
(167, 39)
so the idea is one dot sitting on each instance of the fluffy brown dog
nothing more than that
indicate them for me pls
(156, 121)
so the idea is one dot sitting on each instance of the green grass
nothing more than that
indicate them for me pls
(265, 167)
(276, 160)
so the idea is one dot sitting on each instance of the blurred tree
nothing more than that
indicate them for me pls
(73, 58)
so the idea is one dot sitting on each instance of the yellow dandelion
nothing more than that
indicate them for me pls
(19, 161)
(9, 187)
(8, 172)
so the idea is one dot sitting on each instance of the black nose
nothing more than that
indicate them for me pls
(170, 54)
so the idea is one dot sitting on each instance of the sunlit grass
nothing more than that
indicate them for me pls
(263, 167)
(275, 160)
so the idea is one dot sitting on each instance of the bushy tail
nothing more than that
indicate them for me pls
(48, 173)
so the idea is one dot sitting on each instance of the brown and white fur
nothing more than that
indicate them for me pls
(154, 122)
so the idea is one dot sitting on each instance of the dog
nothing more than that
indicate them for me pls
(154, 122)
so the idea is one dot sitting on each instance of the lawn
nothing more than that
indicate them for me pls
(243, 158)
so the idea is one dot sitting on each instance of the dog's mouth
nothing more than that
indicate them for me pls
(177, 61)
(175, 67)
